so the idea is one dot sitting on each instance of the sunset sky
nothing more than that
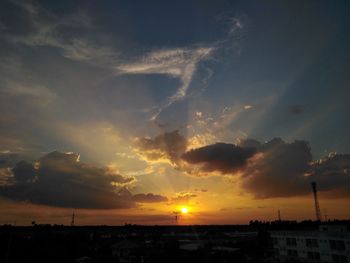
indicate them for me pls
(131, 111)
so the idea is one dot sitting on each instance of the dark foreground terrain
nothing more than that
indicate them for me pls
(131, 243)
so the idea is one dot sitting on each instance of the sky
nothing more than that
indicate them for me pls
(129, 111)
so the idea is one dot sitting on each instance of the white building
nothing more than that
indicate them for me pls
(328, 244)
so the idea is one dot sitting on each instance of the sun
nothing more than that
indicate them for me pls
(184, 210)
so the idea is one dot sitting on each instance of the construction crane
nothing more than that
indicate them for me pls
(317, 205)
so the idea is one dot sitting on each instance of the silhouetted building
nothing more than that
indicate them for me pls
(330, 243)
(84, 259)
(124, 251)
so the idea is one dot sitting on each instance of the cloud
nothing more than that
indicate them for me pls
(222, 157)
(278, 170)
(37, 93)
(6, 176)
(127, 181)
(236, 30)
(24, 172)
(183, 62)
(183, 196)
(83, 50)
(78, 39)
(332, 174)
(249, 143)
(149, 198)
(75, 36)
(166, 147)
(179, 63)
(34, 26)
(208, 127)
(236, 23)
(8, 159)
(60, 179)
(273, 169)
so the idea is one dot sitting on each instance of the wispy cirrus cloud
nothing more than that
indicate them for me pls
(38, 92)
(179, 63)
(78, 39)
(183, 63)
(38, 27)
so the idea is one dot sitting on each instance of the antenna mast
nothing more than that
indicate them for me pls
(317, 205)
(176, 217)
(325, 214)
(73, 217)
(279, 216)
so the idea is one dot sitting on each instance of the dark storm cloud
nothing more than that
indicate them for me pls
(278, 169)
(286, 169)
(24, 171)
(149, 198)
(332, 174)
(275, 168)
(8, 159)
(167, 146)
(249, 143)
(61, 180)
(222, 157)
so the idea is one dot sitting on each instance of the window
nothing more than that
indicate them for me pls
(292, 253)
(291, 242)
(311, 243)
(337, 245)
(274, 240)
(313, 255)
(339, 258)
